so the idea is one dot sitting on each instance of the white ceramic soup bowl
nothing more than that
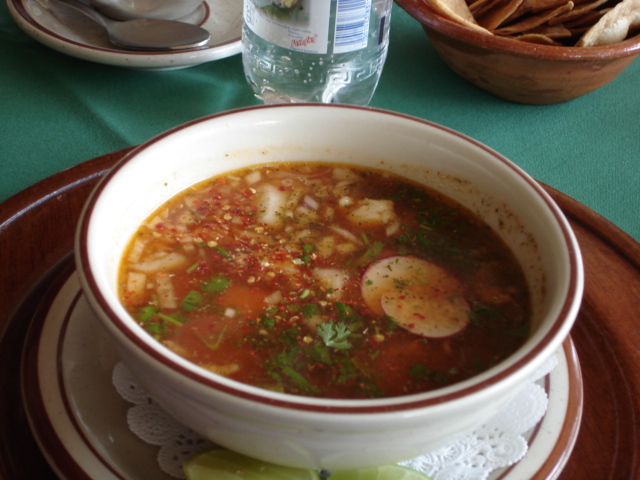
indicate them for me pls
(132, 9)
(329, 433)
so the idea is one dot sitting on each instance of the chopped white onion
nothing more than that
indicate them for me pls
(345, 201)
(345, 233)
(166, 293)
(136, 284)
(373, 212)
(253, 177)
(342, 173)
(392, 228)
(136, 251)
(169, 261)
(272, 203)
(310, 202)
(273, 298)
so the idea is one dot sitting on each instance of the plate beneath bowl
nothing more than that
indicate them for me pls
(605, 335)
(67, 31)
(82, 426)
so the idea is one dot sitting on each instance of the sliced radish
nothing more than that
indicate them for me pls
(434, 317)
(420, 296)
(396, 273)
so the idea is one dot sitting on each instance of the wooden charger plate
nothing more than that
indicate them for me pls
(37, 228)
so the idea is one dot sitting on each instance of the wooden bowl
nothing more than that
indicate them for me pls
(520, 71)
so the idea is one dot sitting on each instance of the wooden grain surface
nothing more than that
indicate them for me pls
(36, 240)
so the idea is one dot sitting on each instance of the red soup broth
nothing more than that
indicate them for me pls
(324, 280)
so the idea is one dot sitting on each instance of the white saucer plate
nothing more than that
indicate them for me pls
(80, 421)
(67, 31)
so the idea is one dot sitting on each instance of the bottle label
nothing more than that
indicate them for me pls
(352, 25)
(304, 25)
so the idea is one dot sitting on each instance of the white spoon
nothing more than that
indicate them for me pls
(146, 33)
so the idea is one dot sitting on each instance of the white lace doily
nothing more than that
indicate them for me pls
(497, 444)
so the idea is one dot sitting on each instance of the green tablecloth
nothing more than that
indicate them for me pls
(57, 111)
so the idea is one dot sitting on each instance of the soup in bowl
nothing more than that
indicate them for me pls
(327, 286)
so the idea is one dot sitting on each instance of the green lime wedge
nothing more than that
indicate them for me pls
(387, 472)
(221, 464)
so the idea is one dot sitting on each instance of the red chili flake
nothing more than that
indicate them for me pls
(411, 325)
(281, 188)
(419, 315)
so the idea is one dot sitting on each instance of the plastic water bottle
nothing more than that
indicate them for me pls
(329, 51)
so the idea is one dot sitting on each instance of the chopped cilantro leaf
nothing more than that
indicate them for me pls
(370, 254)
(310, 309)
(420, 372)
(268, 322)
(334, 335)
(297, 379)
(217, 284)
(147, 312)
(191, 301)
(223, 253)
(193, 267)
(175, 318)
(210, 342)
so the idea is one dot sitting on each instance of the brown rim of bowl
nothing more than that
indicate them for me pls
(311, 404)
(420, 10)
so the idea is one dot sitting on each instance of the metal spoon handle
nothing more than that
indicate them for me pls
(146, 34)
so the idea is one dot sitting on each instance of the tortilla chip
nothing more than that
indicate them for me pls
(577, 12)
(614, 26)
(537, 38)
(535, 6)
(534, 20)
(479, 5)
(494, 17)
(587, 20)
(551, 31)
(579, 31)
(546, 21)
(457, 11)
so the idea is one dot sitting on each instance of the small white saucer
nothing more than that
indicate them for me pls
(79, 419)
(65, 30)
